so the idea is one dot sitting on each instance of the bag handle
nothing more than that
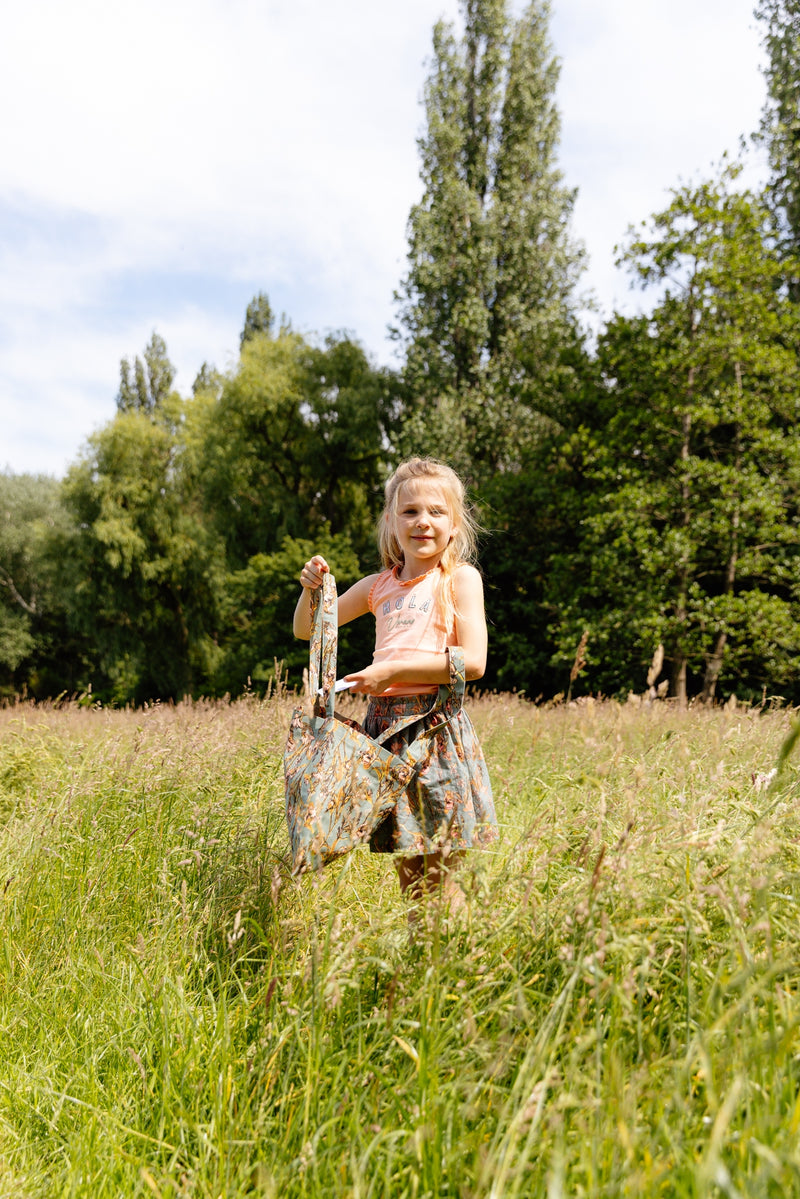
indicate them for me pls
(324, 641)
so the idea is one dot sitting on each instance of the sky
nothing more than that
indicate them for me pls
(164, 161)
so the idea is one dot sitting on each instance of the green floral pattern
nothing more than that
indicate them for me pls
(448, 803)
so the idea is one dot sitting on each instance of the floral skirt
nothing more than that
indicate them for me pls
(449, 804)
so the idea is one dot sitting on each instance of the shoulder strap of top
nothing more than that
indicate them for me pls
(378, 580)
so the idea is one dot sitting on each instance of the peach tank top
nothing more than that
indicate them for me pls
(409, 621)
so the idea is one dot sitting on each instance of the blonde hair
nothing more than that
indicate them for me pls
(463, 543)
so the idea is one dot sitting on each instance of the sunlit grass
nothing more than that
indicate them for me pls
(617, 1014)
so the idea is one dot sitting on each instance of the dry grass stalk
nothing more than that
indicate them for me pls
(580, 657)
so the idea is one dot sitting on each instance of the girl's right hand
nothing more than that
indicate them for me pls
(312, 572)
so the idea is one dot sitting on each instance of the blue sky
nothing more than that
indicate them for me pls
(167, 160)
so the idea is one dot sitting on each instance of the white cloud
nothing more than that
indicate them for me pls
(271, 144)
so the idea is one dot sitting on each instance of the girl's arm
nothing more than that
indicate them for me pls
(435, 668)
(471, 632)
(352, 603)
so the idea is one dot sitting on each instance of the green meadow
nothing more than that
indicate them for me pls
(615, 1014)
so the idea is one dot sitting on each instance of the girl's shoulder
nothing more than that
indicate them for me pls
(467, 577)
(465, 570)
(467, 588)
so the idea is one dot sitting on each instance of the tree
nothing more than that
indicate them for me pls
(29, 511)
(690, 534)
(186, 521)
(258, 318)
(348, 409)
(207, 380)
(258, 605)
(533, 520)
(141, 566)
(145, 385)
(294, 443)
(780, 123)
(290, 458)
(485, 307)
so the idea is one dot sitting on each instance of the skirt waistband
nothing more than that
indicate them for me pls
(394, 707)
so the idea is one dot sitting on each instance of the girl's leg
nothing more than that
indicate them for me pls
(426, 873)
(442, 872)
(411, 875)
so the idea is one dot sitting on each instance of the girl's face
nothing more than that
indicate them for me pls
(422, 523)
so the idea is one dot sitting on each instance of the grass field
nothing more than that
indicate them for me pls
(617, 1014)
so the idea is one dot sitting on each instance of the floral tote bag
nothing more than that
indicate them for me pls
(340, 783)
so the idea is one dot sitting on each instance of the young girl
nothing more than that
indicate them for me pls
(428, 598)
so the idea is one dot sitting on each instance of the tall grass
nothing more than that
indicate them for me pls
(616, 1014)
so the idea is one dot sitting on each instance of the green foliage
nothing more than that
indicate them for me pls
(485, 308)
(616, 1015)
(780, 124)
(290, 461)
(24, 501)
(258, 318)
(31, 595)
(294, 445)
(532, 517)
(690, 530)
(258, 607)
(141, 564)
(189, 520)
(144, 386)
(207, 381)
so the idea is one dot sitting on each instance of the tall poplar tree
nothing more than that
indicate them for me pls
(145, 385)
(780, 124)
(485, 307)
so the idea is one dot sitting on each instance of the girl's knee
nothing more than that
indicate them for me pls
(427, 871)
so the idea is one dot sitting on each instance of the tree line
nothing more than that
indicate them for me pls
(639, 491)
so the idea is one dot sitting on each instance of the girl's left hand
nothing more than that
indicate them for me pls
(372, 680)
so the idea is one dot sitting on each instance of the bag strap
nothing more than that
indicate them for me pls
(324, 642)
